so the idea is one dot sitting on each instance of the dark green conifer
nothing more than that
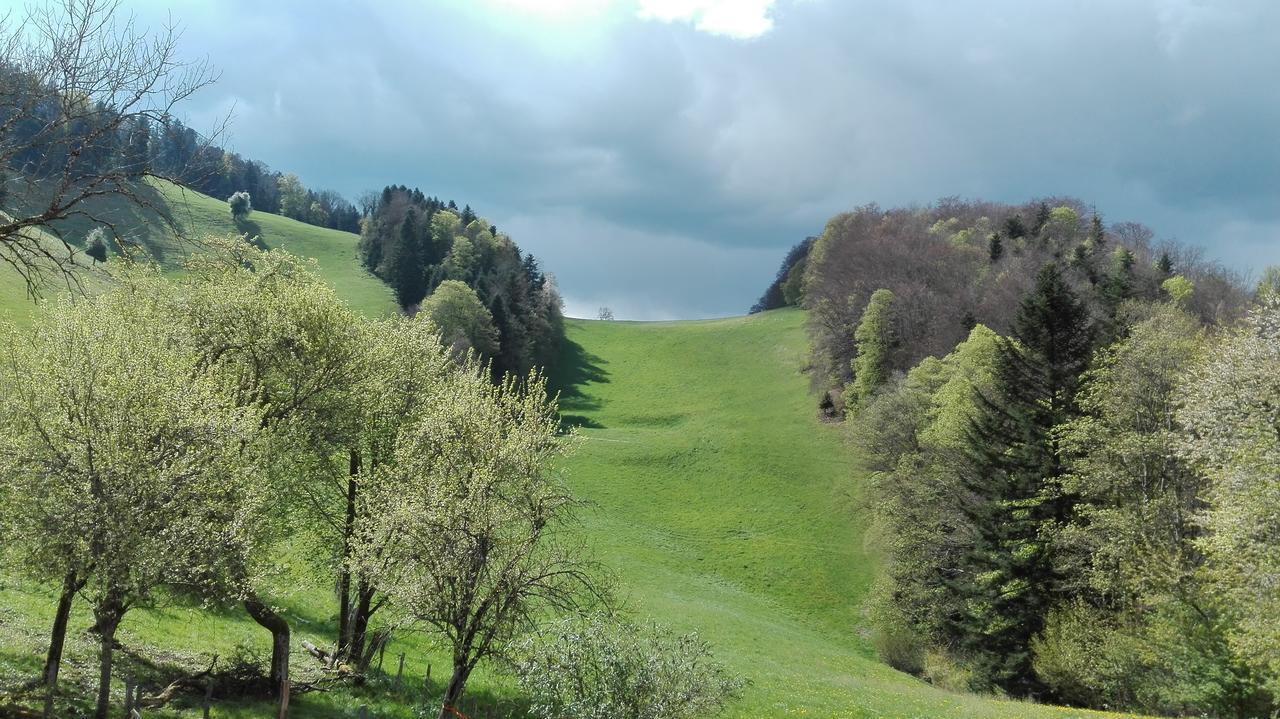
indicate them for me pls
(1011, 474)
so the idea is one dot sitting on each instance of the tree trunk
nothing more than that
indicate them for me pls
(71, 584)
(360, 621)
(279, 628)
(107, 616)
(453, 692)
(344, 571)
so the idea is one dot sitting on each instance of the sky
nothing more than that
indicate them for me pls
(660, 156)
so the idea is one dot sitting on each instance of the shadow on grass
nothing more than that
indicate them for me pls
(252, 232)
(576, 369)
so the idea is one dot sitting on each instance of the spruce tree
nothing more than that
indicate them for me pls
(1043, 213)
(1007, 581)
(406, 272)
(1097, 235)
(1117, 287)
(995, 248)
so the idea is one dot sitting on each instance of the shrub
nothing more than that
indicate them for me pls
(240, 204)
(598, 667)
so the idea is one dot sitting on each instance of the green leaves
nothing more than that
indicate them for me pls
(601, 667)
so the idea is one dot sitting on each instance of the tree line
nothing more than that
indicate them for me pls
(957, 263)
(164, 437)
(472, 280)
(1072, 453)
(103, 139)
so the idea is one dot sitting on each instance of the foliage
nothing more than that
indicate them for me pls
(876, 338)
(598, 667)
(913, 435)
(465, 324)
(1179, 289)
(467, 536)
(787, 288)
(121, 458)
(1006, 579)
(1231, 438)
(79, 78)
(96, 245)
(241, 205)
(415, 243)
(945, 280)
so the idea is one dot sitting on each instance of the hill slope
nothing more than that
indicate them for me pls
(719, 500)
(725, 506)
(199, 215)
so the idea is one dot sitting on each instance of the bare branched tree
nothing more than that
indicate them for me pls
(79, 81)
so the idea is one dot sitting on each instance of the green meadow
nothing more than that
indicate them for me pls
(714, 496)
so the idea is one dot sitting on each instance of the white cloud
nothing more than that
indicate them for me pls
(740, 19)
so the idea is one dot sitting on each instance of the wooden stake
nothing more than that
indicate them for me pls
(399, 673)
(128, 696)
(363, 713)
(427, 681)
(208, 696)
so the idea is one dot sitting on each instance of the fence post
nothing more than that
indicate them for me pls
(399, 673)
(363, 713)
(208, 696)
(128, 696)
(427, 682)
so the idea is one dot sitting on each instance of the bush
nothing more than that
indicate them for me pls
(598, 667)
(240, 204)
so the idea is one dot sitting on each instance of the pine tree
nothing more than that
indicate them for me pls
(406, 272)
(1097, 235)
(1164, 266)
(1011, 473)
(1043, 213)
(995, 248)
(1014, 227)
(1117, 287)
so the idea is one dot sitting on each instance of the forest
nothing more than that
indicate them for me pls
(1070, 429)
(472, 280)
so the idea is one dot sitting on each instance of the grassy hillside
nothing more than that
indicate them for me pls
(725, 506)
(718, 499)
(198, 215)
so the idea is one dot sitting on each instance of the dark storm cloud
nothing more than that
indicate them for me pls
(664, 171)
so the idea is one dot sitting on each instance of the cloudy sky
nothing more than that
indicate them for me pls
(661, 155)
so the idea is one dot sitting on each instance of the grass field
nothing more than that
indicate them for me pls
(717, 498)
(198, 215)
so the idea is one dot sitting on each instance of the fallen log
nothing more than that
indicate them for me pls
(189, 683)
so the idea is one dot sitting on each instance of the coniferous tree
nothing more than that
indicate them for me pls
(1118, 286)
(1097, 235)
(1043, 213)
(1007, 581)
(995, 248)
(1014, 227)
(405, 263)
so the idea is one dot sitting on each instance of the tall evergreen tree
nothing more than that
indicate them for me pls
(995, 248)
(1011, 476)
(405, 268)
(1043, 213)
